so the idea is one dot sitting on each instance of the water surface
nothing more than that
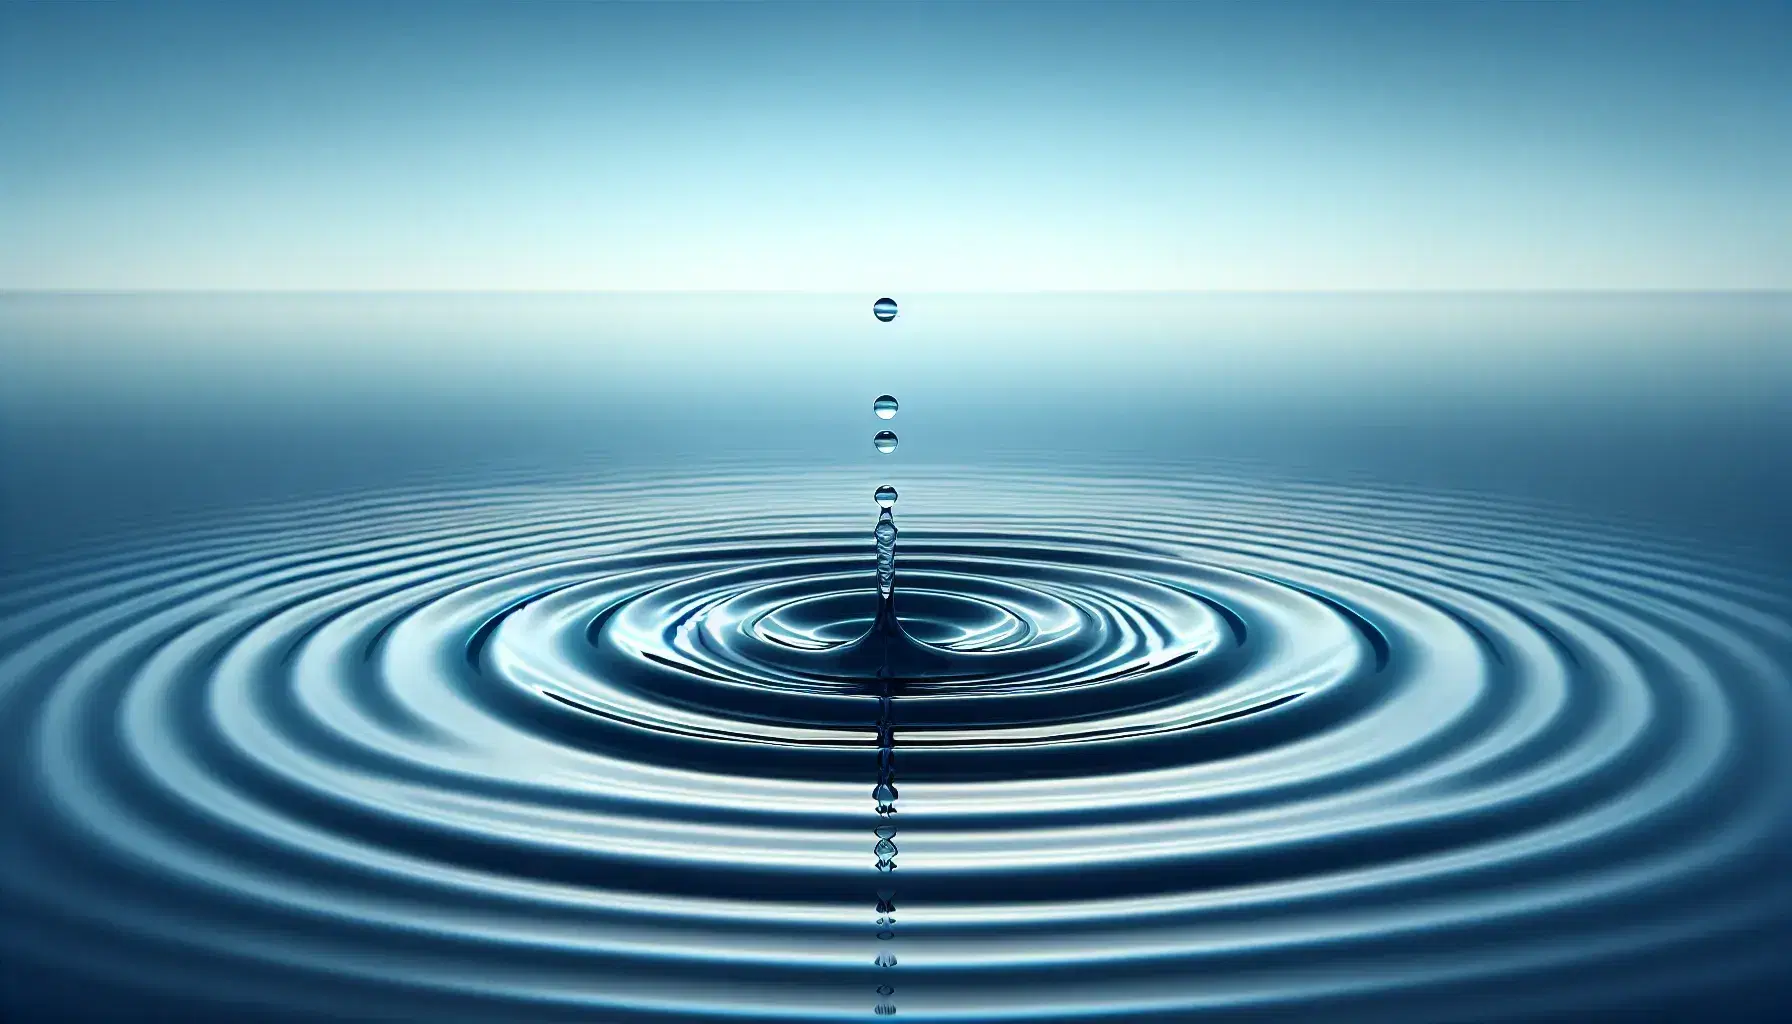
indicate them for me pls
(1379, 657)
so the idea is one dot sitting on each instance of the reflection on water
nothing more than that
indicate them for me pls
(885, 795)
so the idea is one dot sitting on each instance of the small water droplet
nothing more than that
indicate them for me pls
(884, 793)
(886, 934)
(884, 309)
(884, 848)
(884, 1009)
(885, 959)
(885, 990)
(884, 831)
(885, 441)
(885, 407)
(886, 496)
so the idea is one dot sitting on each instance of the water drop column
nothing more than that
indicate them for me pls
(884, 794)
(885, 534)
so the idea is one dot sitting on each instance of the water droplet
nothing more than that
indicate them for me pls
(885, 407)
(884, 793)
(886, 906)
(884, 848)
(884, 831)
(885, 990)
(885, 441)
(884, 309)
(885, 959)
(884, 1009)
(886, 934)
(885, 495)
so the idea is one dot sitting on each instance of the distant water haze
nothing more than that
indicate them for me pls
(1665, 407)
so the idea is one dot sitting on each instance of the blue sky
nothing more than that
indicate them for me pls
(895, 148)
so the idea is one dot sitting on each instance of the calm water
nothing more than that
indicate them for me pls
(491, 657)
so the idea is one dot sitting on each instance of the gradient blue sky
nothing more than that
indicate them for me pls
(895, 148)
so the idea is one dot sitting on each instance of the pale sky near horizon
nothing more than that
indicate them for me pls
(895, 148)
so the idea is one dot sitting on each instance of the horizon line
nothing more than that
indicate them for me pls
(6, 291)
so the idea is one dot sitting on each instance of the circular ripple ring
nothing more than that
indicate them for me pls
(557, 750)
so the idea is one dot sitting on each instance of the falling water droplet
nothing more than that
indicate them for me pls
(884, 793)
(885, 407)
(886, 496)
(885, 990)
(885, 441)
(884, 1009)
(885, 959)
(884, 309)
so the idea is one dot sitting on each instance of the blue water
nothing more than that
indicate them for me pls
(1382, 658)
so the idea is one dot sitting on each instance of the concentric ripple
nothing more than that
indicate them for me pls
(1206, 745)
